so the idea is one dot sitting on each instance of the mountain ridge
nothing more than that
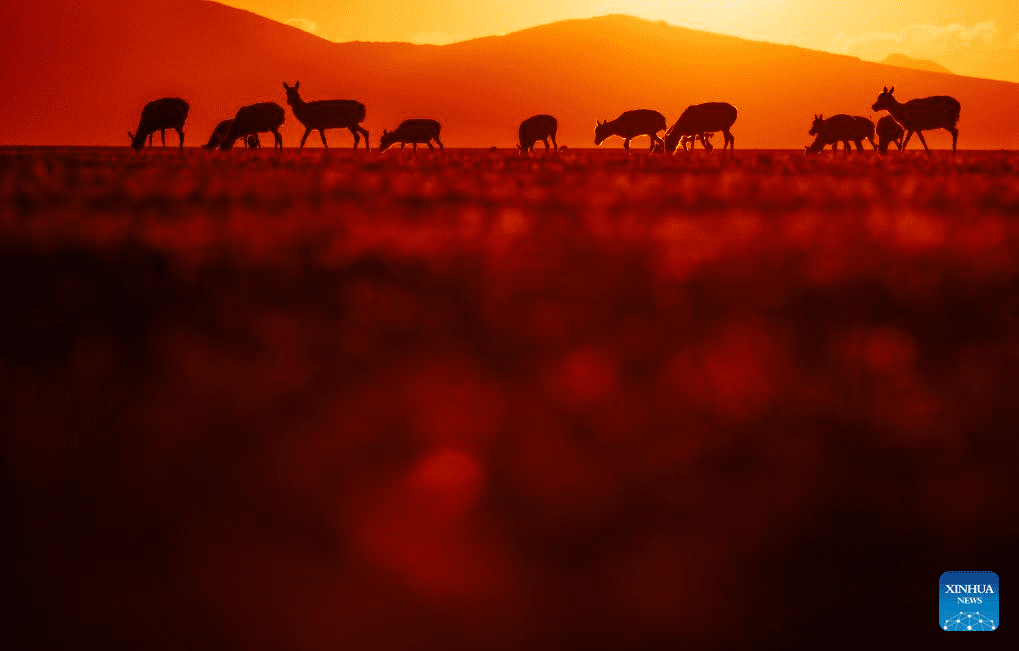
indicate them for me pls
(903, 61)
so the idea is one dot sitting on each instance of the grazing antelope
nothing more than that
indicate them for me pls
(840, 128)
(159, 115)
(889, 131)
(412, 131)
(535, 128)
(327, 114)
(919, 115)
(219, 134)
(629, 125)
(700, 119)
(266, 117)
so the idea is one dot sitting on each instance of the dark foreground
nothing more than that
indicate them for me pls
(482, 402)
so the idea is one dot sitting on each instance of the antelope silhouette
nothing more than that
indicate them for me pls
(412, 131)
(219, 135)
(919, 115)
(629, 125)
(840, 128)
(701, 119)
(327, 114)
(160, 115)
(535, 128)
(266, 117)
(889, 131)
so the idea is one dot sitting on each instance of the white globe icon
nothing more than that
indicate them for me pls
(975, 621)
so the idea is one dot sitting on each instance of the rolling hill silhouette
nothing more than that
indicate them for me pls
(79, 72)
(903, 61)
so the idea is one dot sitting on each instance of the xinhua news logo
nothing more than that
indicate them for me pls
(968, 601)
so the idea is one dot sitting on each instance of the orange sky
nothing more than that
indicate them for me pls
(974, 37)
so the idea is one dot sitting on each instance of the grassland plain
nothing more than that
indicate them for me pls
(477, 401)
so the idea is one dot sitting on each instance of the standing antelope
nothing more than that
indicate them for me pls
(889, 131)
(919, 115)
(413, 131)
(701, 119)
(629, 125)
(159, 115)
(535, 128)
(327, 114)
(266, 117)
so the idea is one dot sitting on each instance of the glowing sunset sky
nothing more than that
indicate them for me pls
(973, 37)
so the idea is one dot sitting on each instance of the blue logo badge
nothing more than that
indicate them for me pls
(968, 601)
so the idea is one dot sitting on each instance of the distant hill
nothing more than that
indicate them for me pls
(903, 61)
(79, 72)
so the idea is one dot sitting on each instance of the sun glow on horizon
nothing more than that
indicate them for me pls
(979, 39)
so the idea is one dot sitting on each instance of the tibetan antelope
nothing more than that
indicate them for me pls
(160, 115)
(218, 134)
(629, 125)
(418, 131)
(327, 114)
(840, 128)
(535, 128)
(889, 131)
(701, 119)
(266, 117)
(919, 115)
(223, 128)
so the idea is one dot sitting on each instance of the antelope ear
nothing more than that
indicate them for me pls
(886, 89)
(130, 135)
(297, 86)
(892, 90)
(285, 87)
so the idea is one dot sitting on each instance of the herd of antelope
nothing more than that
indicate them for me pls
(698, 122)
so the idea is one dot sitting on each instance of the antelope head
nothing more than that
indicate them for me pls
(885, 100)
(137, 139)
(293, 96)
(385, 140)
(816, 127)
(601, 132)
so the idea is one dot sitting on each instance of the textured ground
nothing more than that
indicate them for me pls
(480, 401)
